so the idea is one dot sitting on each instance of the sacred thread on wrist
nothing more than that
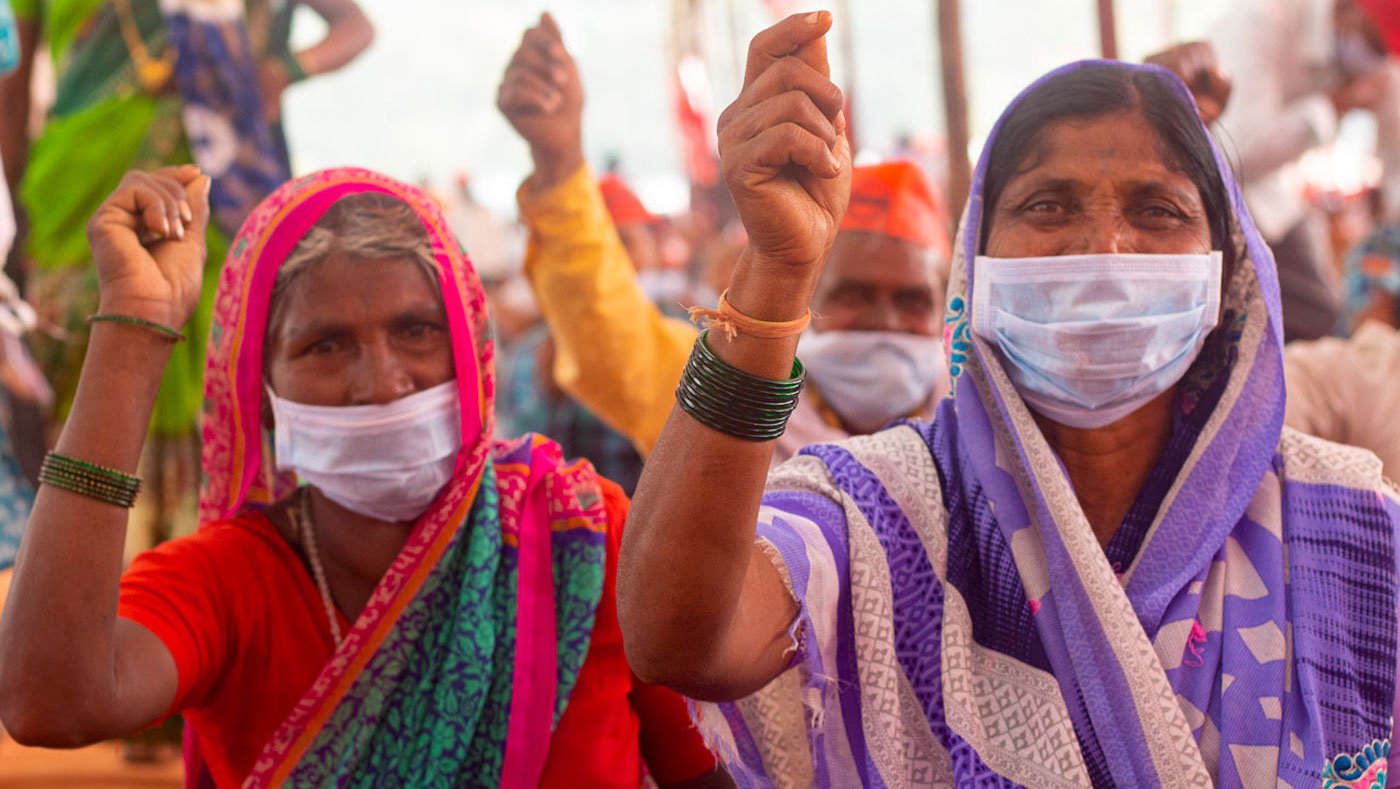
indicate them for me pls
(731, 322)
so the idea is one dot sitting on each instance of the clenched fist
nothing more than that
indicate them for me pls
(784, 151)
(148, 244)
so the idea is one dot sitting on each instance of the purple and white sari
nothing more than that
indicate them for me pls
(961, 625)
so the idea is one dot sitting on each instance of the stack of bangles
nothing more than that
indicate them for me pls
(89, 479)
(729, 400)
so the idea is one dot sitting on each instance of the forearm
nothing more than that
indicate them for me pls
(349, 33)
(702, 609)
(58, 637)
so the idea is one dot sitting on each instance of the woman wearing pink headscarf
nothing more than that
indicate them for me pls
(381, 592)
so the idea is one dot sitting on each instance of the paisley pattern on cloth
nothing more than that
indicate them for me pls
(1364, 770)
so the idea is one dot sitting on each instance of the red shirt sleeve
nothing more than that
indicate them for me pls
(672, 747)
(172, 591)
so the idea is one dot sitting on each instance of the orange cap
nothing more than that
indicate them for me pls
(895, 199)
(1385, 15)
(622, 203)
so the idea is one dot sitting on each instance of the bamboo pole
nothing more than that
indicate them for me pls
(954, 105)
(1108, 30)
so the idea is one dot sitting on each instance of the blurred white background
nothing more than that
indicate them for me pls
(421, 103)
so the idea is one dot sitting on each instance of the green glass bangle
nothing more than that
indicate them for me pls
(295, 72)
(131, 320)
(89, 479)
(734, 402)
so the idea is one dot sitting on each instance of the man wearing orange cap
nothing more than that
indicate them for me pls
(873, 351)
(636, 226)
(1296, 67)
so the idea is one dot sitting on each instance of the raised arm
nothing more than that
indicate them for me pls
(615, 352)
(702, 609)
(71, 672)
(348, 33)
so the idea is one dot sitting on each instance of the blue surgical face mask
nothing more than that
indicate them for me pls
(1089, 339)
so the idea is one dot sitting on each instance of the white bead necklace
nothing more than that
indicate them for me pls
(301, 513)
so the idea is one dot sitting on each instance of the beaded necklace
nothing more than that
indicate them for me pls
(301, 516)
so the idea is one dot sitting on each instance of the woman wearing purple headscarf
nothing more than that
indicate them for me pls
(1105, 563)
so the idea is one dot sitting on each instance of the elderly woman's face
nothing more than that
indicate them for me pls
(1096, 186)
(359, 333)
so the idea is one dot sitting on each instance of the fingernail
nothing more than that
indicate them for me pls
(186, 213)
(165, 226)
(814, 18)
(180, 230)
(835, 162)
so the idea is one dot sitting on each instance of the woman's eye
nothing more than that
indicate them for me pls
(421, 330)
(1162, 213)
(322, 347)
(1044, 207)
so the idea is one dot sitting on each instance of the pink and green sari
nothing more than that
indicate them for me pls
(462, 662)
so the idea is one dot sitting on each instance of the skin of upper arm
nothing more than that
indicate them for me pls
(334, 10)
(758, 646)
(147, 678)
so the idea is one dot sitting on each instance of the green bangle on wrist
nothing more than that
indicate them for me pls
(736, 403)
(131, 320)
(89, 479)
(295, 72)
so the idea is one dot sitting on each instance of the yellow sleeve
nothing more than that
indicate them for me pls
(614, 351)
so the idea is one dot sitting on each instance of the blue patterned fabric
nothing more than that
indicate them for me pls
(16, 500)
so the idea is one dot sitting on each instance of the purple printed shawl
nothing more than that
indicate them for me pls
(961, 625)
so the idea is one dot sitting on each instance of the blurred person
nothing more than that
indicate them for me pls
(1279, 75)
(481, 230)
(18, 377)
(142, 84)
(1348, 389)
(1106, 562)
(1372, 280)
(873, 351)
(381, 592)
(533, 403)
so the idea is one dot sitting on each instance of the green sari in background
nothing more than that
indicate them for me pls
(104, 122)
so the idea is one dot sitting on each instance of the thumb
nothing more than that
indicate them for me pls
(196, 192)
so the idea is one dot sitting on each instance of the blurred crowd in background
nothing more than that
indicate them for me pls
(595, 238)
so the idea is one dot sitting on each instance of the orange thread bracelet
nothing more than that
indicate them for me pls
(732, 322)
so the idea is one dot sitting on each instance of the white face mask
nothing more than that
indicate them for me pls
(871, 378)
(1089, 339)
(385, 461)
